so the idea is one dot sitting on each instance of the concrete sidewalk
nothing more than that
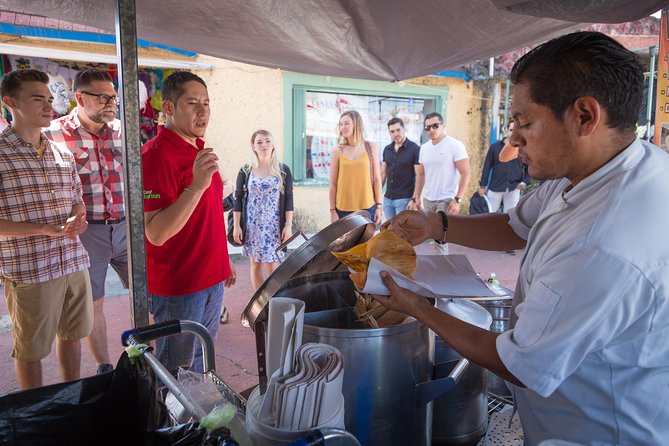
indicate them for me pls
(235, 347)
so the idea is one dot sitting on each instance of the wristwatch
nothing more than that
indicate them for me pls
(444, 220)
(457, 199)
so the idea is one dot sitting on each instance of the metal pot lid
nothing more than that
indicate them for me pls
(312, 257)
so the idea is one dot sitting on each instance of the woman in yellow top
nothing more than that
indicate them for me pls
(355, 171)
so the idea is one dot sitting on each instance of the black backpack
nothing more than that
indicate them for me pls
(478, 204)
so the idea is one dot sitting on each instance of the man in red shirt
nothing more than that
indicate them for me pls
(93, 135)
(186, 249)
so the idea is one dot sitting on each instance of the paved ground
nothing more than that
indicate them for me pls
(235, 346)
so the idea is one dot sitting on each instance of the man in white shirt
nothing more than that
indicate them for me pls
(444, 164)
(587, 352)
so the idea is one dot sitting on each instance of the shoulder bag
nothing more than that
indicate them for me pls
(231, 219)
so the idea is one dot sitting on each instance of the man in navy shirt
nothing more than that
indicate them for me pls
(400, 169)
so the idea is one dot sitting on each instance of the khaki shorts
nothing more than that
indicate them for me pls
(437, 205)
(40, 311)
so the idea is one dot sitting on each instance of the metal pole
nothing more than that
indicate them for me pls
(651, 92)
(507, 93)
(126, 52)
(494, 104)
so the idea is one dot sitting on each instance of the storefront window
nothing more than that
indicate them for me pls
(322, 117)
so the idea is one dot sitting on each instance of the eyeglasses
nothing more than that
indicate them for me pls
(427, 128)
(102, 98)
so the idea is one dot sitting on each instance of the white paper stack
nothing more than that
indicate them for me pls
(311, 396)
(436, 276)
(305, 381)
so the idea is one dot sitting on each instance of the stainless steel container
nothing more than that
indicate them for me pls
(460, 417)
(382, 366)
(388, 371)
(501, 313)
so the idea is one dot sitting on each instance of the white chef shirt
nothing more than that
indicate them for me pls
(591, 336)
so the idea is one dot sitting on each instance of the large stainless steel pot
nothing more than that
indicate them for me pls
(460, 417)
(388, 371)
(501, 313)
(382, 366)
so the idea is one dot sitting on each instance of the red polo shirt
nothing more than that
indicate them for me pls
(196, 257)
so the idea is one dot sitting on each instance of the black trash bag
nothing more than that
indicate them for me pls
(191, 435)
(478, 204)
(116, 408)
(180, 435)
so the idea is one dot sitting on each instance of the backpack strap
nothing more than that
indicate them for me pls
(368, 148)
(246, 168)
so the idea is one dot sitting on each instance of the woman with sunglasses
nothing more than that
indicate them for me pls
(355, 172)
(265, 191)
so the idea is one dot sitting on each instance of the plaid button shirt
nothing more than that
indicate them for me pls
(99, 163)
(38, 190)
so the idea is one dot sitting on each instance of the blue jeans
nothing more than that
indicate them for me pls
(371, 211)
(393, 207)
(184, 350)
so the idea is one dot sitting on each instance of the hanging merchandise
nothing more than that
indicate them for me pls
(60, 89)
(147, 122)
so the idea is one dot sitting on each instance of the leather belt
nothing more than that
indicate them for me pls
(109, 221)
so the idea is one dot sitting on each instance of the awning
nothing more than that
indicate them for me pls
(372, 39)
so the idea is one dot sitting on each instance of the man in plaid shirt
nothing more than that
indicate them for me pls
(42, 263)
(93, 134)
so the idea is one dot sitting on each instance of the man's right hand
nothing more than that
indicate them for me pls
(415, 226)
(74, 226)
(204, 166)
(413, 206)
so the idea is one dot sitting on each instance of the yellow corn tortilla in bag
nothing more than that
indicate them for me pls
(386, 247)
(359, 279)
(394, 251)
(355, 258)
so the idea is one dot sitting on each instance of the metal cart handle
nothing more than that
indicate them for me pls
(155, 331)
(151, 332)
(290, 240)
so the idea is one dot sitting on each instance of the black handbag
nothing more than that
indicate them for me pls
(228, 202)
(231, 220)
(231, 229)
(478, 204)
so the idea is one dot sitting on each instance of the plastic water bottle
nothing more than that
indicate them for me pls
(495, 286)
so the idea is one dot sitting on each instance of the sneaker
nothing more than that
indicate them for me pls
(224, 316)
(104, 368)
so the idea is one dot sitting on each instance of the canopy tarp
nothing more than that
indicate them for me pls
(370, 39)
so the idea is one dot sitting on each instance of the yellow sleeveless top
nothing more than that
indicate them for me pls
(354, 184)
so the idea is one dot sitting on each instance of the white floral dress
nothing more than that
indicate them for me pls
(262, 234)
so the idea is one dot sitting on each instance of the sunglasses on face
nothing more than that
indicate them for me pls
(427, 128)
(103, 99)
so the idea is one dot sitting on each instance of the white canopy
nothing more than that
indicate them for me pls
(371, 39)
